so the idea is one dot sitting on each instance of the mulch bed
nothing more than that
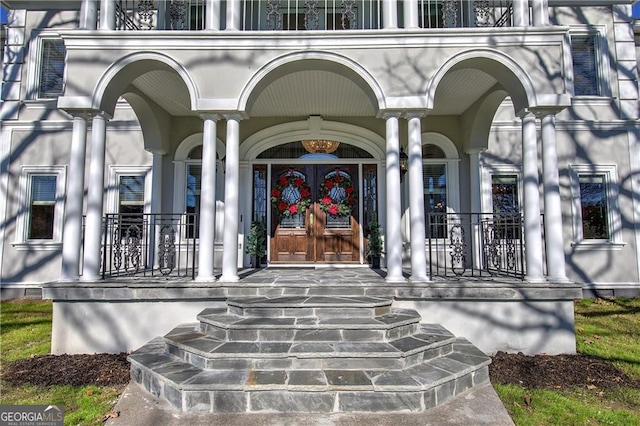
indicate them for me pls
(75, 370)
(557, 371)
(540, 371)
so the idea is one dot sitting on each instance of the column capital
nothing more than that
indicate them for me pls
(390, 114)
(414, 114)
(544, 112)
(237, 116)
(86, 114)
(102, 114)
(211, 116)
(525, 113)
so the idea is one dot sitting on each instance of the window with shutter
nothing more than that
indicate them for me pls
(585, 70)
(52, 63)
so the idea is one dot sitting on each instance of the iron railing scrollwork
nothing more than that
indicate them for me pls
(133, 15)
(475, 244)
(148, 244)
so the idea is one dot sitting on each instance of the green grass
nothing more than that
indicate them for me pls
(25, 330)
(607, 329)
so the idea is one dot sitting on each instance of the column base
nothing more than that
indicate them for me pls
(559, 280)
(206, 278)
(535, 279)
(399, 279)
(229, 278)
(90, 278)
(419, 279)
(68, 279)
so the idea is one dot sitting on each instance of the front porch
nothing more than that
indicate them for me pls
(499, 313)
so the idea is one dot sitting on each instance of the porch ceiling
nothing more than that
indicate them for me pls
(166, 89)
(459, 89)
(317, 93)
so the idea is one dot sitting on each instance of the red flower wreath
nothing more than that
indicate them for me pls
(338, 194)
(290, 194)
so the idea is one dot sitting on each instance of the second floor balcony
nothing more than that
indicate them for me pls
(306, 15)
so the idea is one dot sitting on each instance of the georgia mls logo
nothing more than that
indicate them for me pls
(54, 412)
(31, 415)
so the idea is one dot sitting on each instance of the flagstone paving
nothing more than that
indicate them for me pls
(308, 354)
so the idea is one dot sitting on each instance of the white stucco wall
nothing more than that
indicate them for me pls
(112, 327)
(530, 327)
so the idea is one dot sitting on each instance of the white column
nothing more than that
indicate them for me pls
(89, 15)
(540, 12)
(520, 13)
(411, 14)
(532, 228)
(156, 206)
(208, 199)
(416, 200)
(72, 232)
(552, 204)
(233, 15)
(212, 18)
(393, 234)
(389, 14)
(476, 202)
(95, 197)
(107, 14)
(231, 186)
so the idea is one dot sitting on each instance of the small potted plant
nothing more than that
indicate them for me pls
(374, 244)
(257, 243)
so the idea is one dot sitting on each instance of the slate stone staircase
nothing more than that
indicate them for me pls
(308, 354)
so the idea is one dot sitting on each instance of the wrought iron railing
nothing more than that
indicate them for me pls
(463, 13)
(475, 244)
(149, 244)
(304, 15)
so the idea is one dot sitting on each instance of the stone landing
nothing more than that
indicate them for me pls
(308, 354)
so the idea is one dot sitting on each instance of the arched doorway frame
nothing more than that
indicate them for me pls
(313, 128)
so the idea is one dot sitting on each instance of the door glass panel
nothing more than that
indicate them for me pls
(338, 198)
(260, 193)
(291, 197)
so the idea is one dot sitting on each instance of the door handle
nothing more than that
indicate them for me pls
(311, 224)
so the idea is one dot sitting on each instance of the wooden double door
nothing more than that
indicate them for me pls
(315, 235)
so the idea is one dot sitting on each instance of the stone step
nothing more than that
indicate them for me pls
(319, 350)
(309, 306)
(393, 324)
(235, 389)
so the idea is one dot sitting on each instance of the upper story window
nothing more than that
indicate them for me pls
(590, 76)
(51, 69)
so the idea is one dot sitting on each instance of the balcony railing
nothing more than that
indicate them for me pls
(149, 244)
(305, 15)
(458, 245)
(475, 244)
